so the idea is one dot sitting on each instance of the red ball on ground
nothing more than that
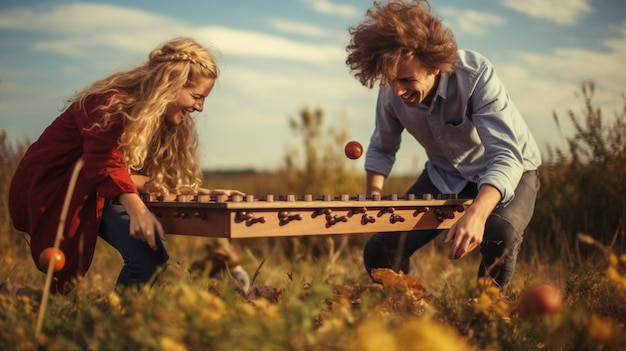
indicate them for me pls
(539, 300)
(48, 255)
(353, 150)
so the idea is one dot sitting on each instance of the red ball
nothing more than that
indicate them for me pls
(539, 300)
(353, 150)
(48, 255)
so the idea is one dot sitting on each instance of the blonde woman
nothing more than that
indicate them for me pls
(134, 133)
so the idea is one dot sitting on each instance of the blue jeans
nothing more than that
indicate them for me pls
(140, 261)
(504, 233)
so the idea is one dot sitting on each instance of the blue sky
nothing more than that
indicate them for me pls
(277, 57)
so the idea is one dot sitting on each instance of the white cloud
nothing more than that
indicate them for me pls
(330, 8)
(470, 21)
(542, 83)
(129, 30)
(77, 29)
(562, 12)
(235, 42)
(83, 44)
(299, 28)
(80, 17)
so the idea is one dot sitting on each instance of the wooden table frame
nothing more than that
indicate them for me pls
(247, 217)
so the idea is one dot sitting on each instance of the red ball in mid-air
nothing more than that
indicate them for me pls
(539, 300)
(353, 150)
(48, 255)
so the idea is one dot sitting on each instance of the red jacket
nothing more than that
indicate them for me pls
(41, 180)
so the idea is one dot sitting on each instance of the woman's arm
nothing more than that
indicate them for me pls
(143, 224)
(140, 181)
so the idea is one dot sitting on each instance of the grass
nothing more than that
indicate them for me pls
(324, 303)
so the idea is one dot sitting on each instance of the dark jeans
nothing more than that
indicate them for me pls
(140, 261)
(504, 232)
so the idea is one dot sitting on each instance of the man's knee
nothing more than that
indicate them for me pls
(500, 237)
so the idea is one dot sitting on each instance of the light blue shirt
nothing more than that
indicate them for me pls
(472, 131)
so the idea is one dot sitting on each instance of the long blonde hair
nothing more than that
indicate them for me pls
(166, 153)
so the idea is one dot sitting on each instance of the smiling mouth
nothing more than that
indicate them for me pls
(409, 98)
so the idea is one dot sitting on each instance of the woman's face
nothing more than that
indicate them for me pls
(190, 99)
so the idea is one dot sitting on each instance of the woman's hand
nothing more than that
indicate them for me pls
(143, 224)
(216, 192)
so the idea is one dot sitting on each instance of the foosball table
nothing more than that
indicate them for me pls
(269, 216)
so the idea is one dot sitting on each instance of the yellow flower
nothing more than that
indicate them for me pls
(212, 307)
(114, 301)
(614, 276)
(482, 303)
(169, 344)
(330, 327)
(501, 308)
(373, 336)
(188, 298)
(493, 292)
(248, 310)
(600, 329)
(268, 309)
(429, 335)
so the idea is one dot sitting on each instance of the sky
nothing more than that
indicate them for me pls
(281, 56)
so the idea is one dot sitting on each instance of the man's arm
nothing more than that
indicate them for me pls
(375, 183)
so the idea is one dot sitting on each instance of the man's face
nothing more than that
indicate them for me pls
(413, 83)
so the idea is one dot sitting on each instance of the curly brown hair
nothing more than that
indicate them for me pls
(394, 32)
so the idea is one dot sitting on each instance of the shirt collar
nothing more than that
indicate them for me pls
(443, 84)
(441, 89)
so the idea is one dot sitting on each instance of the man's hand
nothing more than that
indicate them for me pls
(467, 233)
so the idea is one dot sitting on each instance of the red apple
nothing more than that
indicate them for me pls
(48, 255)
(353, 150)
(538, 300)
